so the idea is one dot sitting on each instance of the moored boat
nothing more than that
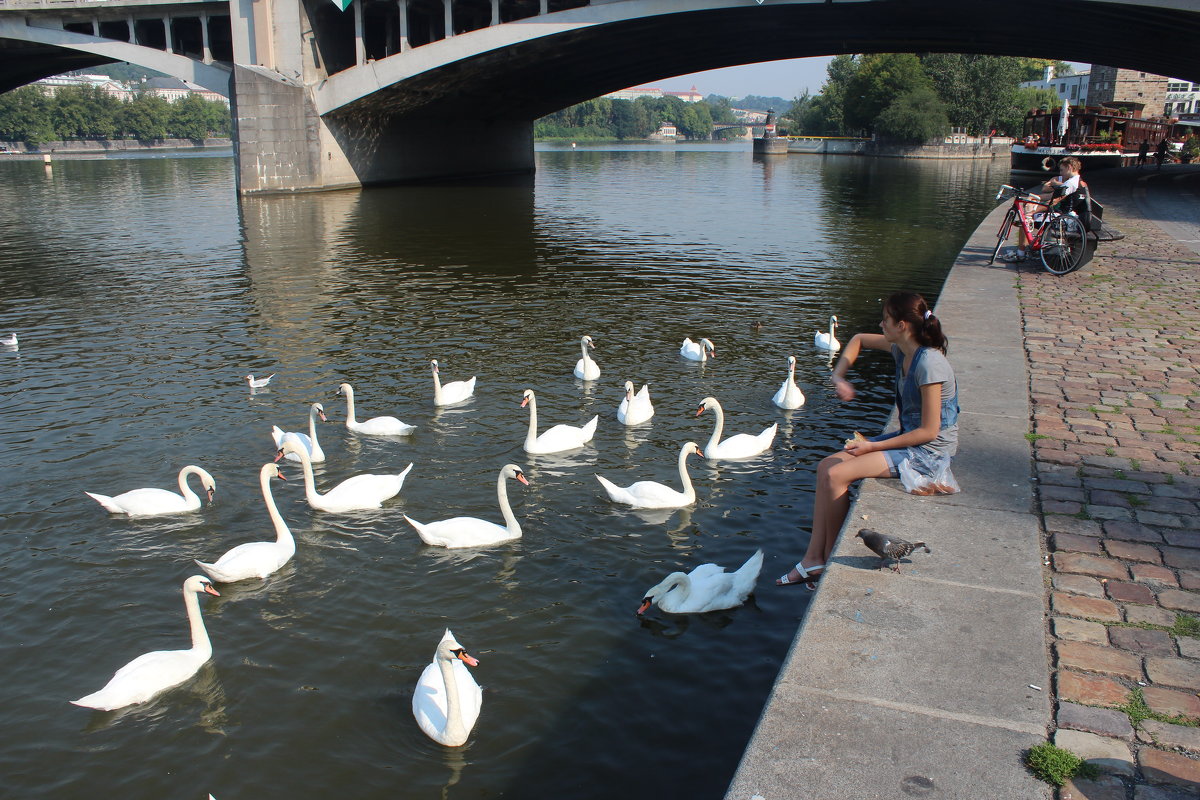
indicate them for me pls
(1100, 137)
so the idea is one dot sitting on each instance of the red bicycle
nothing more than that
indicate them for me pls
(1059, 239)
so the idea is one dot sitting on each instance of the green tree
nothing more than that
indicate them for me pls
(1012, 118)
(25, 116)
(878, 81)
(145, 117)
(193, 117)
(914, 117)
(976, 89)
(832, 105)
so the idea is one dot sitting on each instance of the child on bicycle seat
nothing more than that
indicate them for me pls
(1053, 191)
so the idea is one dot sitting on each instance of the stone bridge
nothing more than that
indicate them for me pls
(392, 90)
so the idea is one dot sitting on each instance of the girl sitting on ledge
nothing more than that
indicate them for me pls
(927, 403)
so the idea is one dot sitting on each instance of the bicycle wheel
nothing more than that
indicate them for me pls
(1063, 244)
(1002, 235)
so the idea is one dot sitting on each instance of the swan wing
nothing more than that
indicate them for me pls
(145, 502)
(365, 491)
(429, 701)
(462, 532)
(743, 445)
(249, 560)
(457, 391)
(382, 426)
(143, 678)
(789, 395)
(297, 439)
(563, 437)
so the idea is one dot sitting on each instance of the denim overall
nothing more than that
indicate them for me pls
(908, 407)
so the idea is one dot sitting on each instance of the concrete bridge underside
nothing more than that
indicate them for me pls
(320, 103)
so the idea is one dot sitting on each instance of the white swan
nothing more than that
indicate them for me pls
(651, 494)
(635, 408)
(450, 393)
(697, 351)
(353, 494)
(789, 394)
(447, 699)
(473, 532)
(258, 383)
(706, 588)
(149, 674)
(256, 559)
(308, 442)
(558, 438)
(827, 341)
(741, 445)
(585, 368)
(375, 426)
(153, 502)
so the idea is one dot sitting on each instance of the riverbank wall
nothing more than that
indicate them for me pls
(91, 147)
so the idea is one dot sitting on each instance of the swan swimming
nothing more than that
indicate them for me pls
(155, 502)
(358, 493)
(651, 494)
(827, 341)
(558, 438)
(585, 368)
(447, 699)
(740, 445)
(789, 394)
(151, 673)
(450, 393)
(471, 531)
(256, 559)
(375, 426)
(706, 588)
(635, 408)
(698, 351)
(307, 441)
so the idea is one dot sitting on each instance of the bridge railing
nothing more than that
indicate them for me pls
(26, 5)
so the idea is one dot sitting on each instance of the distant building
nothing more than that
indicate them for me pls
(172, 90)
(691, 96)
(1072, 88)
(666, 130)
(110, 86)
(749, 116)
(1141, 92)
(1183, 99)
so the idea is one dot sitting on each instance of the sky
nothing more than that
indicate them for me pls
(787, 79)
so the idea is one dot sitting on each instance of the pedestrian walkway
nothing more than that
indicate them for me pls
(1114, 360)
(933, 682)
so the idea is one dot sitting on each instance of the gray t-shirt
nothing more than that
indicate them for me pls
(929, 366)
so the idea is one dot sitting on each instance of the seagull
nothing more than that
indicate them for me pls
(9, 341)
(889, 547)
(258, 383)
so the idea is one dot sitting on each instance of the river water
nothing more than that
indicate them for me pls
(141, 294)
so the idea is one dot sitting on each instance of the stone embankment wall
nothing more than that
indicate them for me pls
(111, 146)
(997, 149)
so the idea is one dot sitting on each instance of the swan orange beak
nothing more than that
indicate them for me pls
(642, 608)
(699, 411)
(521, 477)
(524, 402)
(208, 587)
(462, 655)
(211, 492)
(279, 455)
(281, 476)
(324, 418)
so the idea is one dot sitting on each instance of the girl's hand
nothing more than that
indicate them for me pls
(843, 388)
(860, 447)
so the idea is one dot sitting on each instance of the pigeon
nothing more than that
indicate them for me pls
(889, 547)
(258, 383)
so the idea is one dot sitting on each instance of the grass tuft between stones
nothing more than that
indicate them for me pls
(1056, 766)
(1184, 625)
(1136, 709)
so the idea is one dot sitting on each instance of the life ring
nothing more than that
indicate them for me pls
(1048, 164)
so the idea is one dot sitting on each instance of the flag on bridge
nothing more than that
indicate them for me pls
(342, 4)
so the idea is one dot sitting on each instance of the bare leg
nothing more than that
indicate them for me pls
(835, 473)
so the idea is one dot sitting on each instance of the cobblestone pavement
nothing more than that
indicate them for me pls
(1114, 360)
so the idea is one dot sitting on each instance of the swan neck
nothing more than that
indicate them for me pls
(312, 426)
(510, 519)
(310, 483)
(715, 439)
(350, 418)
(184, 489)
(201, 646)
(684, 477)
(437, 388)
(281, 529)
(455, 732)
(530, 437)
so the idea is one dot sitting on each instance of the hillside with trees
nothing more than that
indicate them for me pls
(609, 118)
(912, 98)
(84, 112)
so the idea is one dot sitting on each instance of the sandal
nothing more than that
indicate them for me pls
(806, 575)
